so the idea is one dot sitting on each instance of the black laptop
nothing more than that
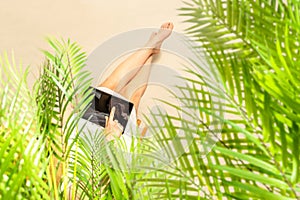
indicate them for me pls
(101, 105)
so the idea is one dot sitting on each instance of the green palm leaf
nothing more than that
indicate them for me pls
(22, 163)
(63, 84)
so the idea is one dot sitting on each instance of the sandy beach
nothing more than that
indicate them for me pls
(25, 24)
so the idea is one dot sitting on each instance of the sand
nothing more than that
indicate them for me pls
(25, 24)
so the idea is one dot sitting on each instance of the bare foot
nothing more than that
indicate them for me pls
(157, 38)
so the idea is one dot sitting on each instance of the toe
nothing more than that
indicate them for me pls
(168, 25)
(165, 25)
(171, 26)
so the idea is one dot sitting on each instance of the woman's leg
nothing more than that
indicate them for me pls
(129, 68)
(137, 86)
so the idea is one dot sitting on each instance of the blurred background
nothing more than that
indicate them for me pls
(25, 24)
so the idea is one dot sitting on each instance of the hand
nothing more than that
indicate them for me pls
(113, 128)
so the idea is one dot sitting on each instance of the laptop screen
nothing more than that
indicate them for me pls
(101, 105)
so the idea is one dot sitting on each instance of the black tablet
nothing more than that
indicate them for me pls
(101, 105)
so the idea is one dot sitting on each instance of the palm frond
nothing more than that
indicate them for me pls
(62, 96)
(257, 153)
(239, 38)
(22, 163)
